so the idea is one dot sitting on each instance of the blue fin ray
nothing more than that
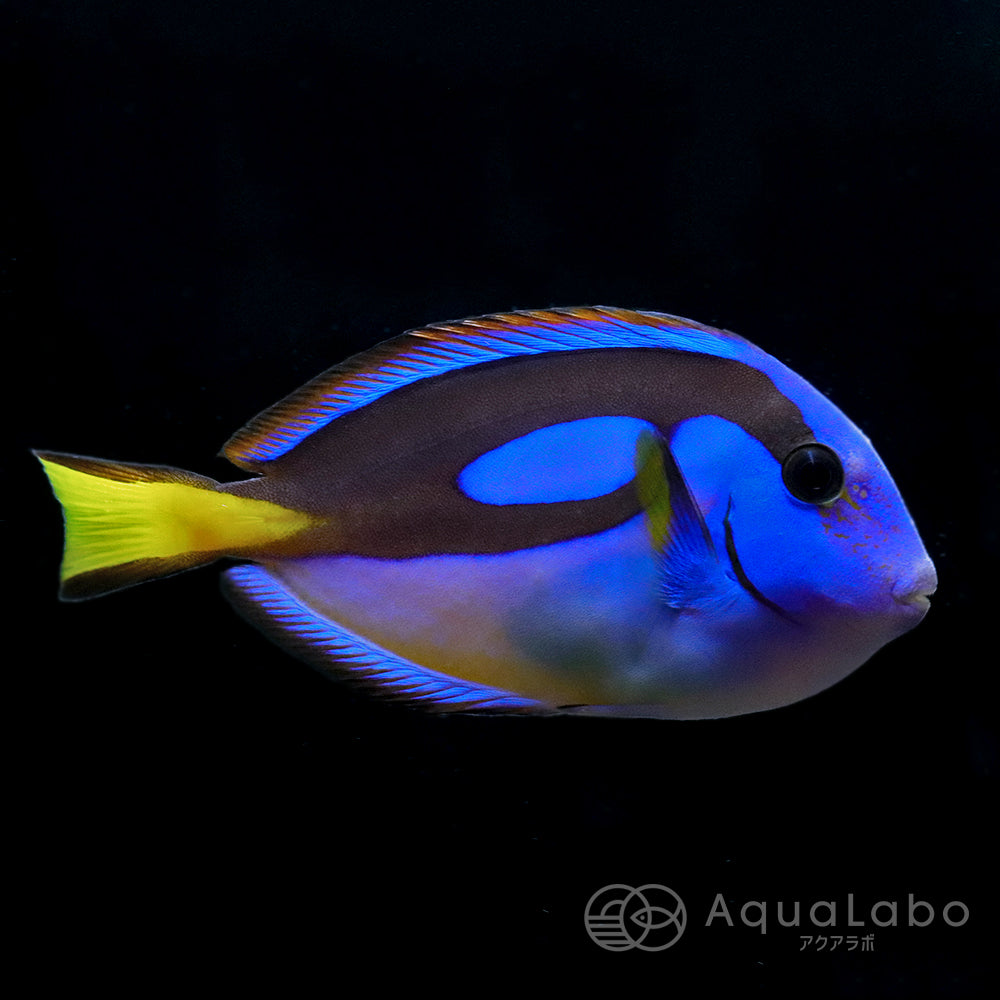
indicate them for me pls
(331, 648)
(446, 347)
(689, 567)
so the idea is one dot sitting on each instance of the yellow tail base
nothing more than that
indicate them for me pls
(129, 523)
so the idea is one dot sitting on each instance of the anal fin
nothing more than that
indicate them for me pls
(335, 650)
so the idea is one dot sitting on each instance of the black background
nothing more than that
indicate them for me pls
(208, 204)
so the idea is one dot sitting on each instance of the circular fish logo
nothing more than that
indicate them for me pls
(619, 917)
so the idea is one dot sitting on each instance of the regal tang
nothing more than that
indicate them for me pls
(586, 510)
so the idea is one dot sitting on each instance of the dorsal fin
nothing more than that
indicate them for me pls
(444, 347)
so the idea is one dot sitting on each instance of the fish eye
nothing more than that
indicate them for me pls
(813, 473)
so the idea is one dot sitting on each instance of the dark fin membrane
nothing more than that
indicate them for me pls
(98, 582)
(336, 651)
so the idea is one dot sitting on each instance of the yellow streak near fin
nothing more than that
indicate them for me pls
(111, 521)
(653, 488)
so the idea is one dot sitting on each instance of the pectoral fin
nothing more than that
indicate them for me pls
(677, 530)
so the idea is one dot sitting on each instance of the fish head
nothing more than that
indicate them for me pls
(817, 535)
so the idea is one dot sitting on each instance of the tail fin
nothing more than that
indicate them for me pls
(130, 523)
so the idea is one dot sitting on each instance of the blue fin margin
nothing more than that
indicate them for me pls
(444, 347)
(270, 606)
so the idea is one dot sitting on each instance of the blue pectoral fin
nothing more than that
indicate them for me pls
(264, 601)
(677, 530)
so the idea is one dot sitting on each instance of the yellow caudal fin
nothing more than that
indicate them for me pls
(129, 523)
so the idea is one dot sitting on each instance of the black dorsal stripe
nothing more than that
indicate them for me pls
(385, 475)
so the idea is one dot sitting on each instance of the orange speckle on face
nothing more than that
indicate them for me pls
(845, 495)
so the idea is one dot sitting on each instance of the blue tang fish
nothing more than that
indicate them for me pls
(591, 510)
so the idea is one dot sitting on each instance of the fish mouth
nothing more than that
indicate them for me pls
(913, 606)
(914, 592)
(920, 601)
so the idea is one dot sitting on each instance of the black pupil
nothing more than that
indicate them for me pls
(813, 473)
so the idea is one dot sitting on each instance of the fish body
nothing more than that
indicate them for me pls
(594, 510)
